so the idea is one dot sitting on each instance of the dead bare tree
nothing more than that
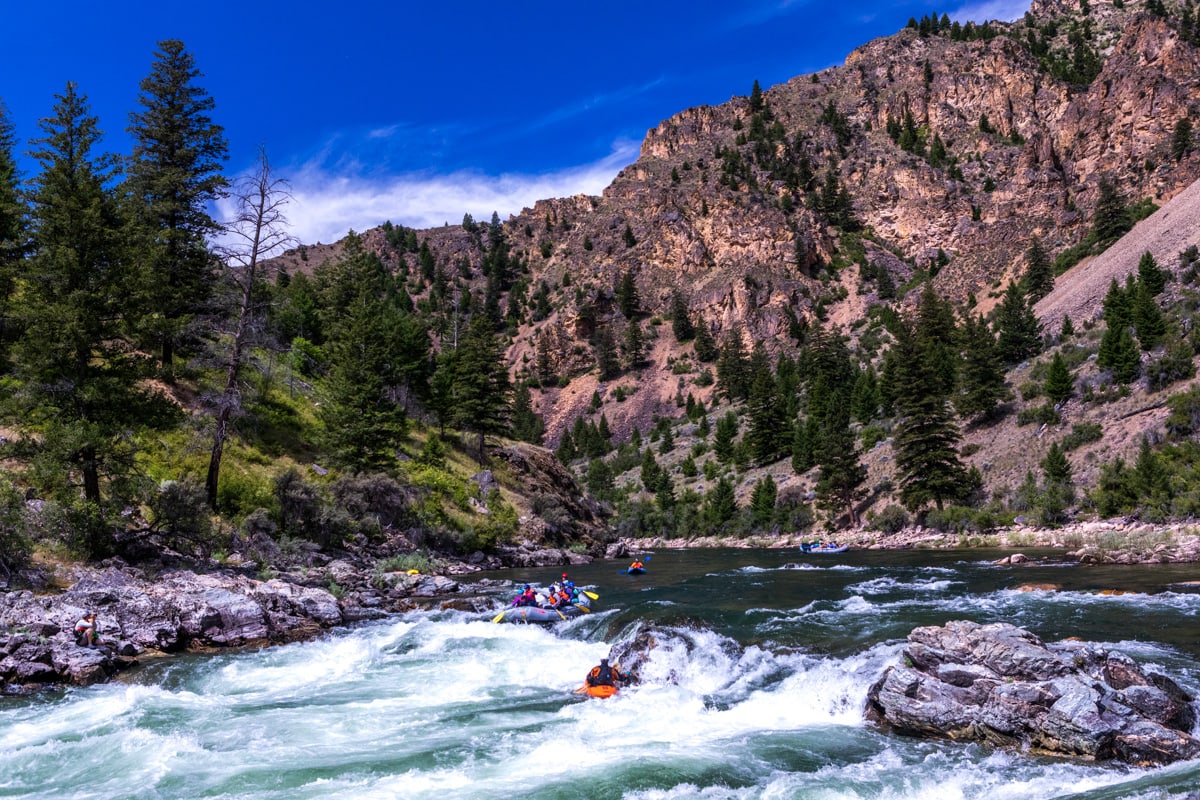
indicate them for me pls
(258, 229)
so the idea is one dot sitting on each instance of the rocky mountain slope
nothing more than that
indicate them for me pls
(932, 153)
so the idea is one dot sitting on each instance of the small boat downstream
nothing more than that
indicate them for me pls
(818, 548)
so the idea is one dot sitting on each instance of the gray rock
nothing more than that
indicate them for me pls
(1001, 685)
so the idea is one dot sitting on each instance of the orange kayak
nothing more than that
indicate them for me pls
(600, 691)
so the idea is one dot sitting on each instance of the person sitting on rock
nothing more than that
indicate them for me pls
(85, 630)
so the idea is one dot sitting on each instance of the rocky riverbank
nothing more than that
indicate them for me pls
(1095, 542)
(151, 610)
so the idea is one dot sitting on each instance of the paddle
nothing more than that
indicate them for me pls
(500, 616)
(584, 609)
(592, 595)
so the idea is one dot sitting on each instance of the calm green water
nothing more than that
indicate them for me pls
(756, 691)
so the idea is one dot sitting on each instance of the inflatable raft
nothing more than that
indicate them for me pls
(823, 549)
(544, 614)
(599, 691)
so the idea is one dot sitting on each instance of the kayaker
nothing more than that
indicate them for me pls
(603, 675)
(637, 564)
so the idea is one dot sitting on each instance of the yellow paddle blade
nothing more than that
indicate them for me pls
(500, 616)
(592, 595)
(584, 609)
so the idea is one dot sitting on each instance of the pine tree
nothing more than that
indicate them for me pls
(842, 474)
(1059, 384)
(727, 430)
(926, 437)
(173, 177)
(762, 501)
(650, 470)
(605, 350)
(981, 386)
(634, 346)
(804, 443)
(1111, 220)
(936, 333)
(1181, 139)
(766, 420)
(705, 347)
(1148, 319)
(720, 504)
(1055, 465)
(80, 381)
(363, 424)
(864, 398)
(733, 369)
(1068, 328)
(1119, 354)
(626, 293)
(14, 234)
(1039, 272)
(1018, 332)
(482, 390)
(527, 424)
(681, 322)
(1150, 275)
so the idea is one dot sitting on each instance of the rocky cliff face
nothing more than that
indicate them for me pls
(950, 149)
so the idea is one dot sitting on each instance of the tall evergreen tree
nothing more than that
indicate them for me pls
(842, 474)
(1151, 275)
(482, 392)
(627, 297)
(720, 505)
(936, 334)
(1039, 272)
(767, 419)
(762, 501)
(14, 233)
(1059, 384)
(1018, 332)
(527, 424)
(363, 423)
(79, 379)
(173, 177)
(727, 431)
(1148, 318)
(926, 437)
(706, 349)
(608, 365)
(981, 386)
(1111, 220)
(1119, 354)
(681, 321)
(733, 368)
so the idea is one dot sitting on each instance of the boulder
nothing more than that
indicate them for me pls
(1001, 685)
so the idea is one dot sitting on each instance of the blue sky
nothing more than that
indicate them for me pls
(421, 112)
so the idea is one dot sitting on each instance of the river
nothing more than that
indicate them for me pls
(757, 692)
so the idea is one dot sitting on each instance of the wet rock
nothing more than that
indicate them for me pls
(1002, 685)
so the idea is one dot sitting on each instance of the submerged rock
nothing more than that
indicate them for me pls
(1001, 685)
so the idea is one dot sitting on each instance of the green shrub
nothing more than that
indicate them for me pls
(891, 519)
(1082, 433)
(240, 493)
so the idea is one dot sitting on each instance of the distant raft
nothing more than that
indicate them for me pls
(546, 614)
(817, 548)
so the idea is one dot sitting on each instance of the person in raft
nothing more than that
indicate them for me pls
(85, 630)
(526, 597)
(637, 564)
(604, 675)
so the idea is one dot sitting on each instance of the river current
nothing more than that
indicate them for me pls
(756, 691)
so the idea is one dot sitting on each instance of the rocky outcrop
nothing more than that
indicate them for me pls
(139, 614)
(1001, 685)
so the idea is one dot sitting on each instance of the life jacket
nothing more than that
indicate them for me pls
(602, 675)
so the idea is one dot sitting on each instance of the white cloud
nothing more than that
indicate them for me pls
(1003, 10)
(326, 203)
